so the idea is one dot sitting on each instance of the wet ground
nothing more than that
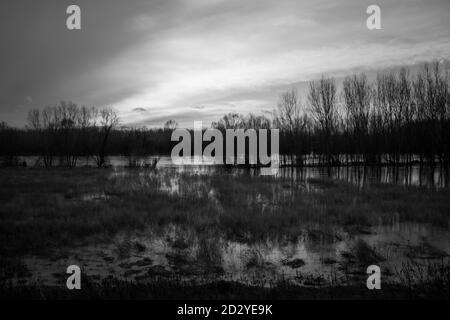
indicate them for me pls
(318, 258)
(403, 175)
(319, 255)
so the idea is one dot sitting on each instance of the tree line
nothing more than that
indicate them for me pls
(67, 134)
(398, 119)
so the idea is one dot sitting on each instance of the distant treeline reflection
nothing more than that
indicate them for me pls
(399, 119)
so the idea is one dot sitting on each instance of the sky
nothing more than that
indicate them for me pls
(192, 60)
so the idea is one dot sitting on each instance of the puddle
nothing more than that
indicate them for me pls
(94, 197)
(311, 260)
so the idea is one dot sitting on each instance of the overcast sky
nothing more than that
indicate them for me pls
(187, 60)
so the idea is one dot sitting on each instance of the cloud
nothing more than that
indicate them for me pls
(140, 109)
(215, 56)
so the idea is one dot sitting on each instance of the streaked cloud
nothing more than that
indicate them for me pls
(195, 60)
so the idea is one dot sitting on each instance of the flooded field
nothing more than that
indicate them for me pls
(208, 224)
(402, 175)
(316, 259)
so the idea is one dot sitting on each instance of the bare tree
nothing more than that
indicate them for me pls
(431, 96)
(292, 122)
(252, 121)
(8, 145)
(42, 122)
(322, 100)
(170, 125)
(85, 123)
(357, 94)
(287, 116)
(230, 121)
(107, 120)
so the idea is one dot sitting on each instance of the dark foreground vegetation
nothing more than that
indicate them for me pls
(41, 211)
(224, 290)
(49, 213)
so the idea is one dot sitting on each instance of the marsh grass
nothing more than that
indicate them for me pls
(425, 279)
(113, 288)
(209, 251)
(12, 268)
(365, 254)
(254, 259)
(43, 208)
(357, 258)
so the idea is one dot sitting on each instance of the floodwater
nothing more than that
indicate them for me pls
(317, 257)
(408, 176)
